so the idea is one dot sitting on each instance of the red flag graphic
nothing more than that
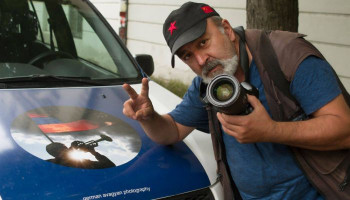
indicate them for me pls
(80, 125)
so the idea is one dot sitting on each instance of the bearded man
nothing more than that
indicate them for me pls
(257, 147)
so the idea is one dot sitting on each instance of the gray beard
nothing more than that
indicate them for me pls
(229, 68)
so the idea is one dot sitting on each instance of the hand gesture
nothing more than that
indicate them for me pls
(139, 106)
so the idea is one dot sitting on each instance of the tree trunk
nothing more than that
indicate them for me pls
(273, 14)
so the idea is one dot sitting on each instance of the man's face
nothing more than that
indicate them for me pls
(211, 54)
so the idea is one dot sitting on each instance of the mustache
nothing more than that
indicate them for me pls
(210, 65)
(229, 66)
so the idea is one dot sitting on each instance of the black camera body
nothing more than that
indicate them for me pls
(229, 96)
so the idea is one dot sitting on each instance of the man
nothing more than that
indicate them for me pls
(63, 155)
(260, 161)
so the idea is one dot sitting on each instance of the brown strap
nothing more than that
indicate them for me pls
(243, 55)
(267, 55)
(229, 187)
(255, 40)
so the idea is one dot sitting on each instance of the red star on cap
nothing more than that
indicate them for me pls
(172, 27)
(207, 9)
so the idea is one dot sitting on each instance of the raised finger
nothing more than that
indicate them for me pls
(131, 92)
(128, 110)
(145, 87)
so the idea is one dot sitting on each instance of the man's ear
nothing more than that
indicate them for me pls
(228, 29)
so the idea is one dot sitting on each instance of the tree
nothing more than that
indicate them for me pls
(273, 14)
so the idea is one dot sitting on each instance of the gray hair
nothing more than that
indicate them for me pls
(218, 22)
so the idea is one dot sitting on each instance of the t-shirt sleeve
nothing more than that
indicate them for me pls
(191, 111)
(314, 84)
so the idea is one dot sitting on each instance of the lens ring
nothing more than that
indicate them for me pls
(225, 79)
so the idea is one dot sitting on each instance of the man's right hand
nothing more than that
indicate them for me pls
(139, 106)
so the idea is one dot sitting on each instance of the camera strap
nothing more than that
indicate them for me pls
(243, 56)
(224, 175)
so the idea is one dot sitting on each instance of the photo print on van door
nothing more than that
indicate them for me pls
(76, 137)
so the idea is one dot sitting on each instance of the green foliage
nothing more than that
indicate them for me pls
(174, 85)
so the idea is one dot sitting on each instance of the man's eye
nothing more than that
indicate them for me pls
(187, 56)
(203, 42)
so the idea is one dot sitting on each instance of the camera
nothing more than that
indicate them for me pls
(229, 96)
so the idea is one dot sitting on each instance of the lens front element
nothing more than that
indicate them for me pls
(223, 92)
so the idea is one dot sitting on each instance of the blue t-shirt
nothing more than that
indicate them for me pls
(267, 170)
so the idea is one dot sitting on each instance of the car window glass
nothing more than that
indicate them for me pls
(60, 38)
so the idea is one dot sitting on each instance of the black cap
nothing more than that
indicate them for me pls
(186, 24)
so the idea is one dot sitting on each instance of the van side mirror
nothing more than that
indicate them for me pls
(146, 63)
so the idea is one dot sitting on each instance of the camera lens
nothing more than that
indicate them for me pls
(223, 91)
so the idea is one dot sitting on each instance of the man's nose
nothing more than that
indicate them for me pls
(201, 58)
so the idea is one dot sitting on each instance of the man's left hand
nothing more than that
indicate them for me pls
(254, 127)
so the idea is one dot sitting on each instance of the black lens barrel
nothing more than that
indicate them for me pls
(226, 94)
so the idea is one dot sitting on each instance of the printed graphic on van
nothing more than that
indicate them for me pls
(76, 137)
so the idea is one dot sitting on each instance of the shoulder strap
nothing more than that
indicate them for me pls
(274, 71)
(283, 105)
(228, 184)
(224, 175)
(277, 75)
(243, 56)
(267, 56)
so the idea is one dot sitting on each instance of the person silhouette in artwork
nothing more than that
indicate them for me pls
(70, 156)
